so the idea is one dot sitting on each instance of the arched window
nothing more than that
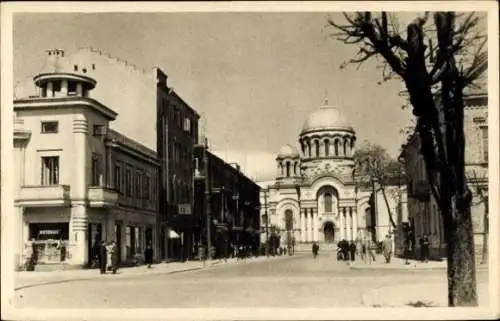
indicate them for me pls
(336, 146)
(309, 148)
(316, 143)
(288, 220)
(328, 203)
(295, 168)
(281, 169)
(327, 148)
(345, 147)
(287, 169)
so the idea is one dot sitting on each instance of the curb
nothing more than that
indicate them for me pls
(401, 268)
(94, 278)
(134, 274)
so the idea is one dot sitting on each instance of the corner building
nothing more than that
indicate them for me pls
(314, 196)
(77, 179)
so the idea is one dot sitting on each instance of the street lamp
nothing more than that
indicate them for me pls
(205, 176)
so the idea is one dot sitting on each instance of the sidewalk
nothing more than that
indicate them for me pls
(417, 295)
(25, 279)
(399, 264)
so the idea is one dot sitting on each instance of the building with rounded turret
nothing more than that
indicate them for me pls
(314, 197)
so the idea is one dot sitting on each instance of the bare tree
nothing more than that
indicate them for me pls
(435, 61)
(373, 165)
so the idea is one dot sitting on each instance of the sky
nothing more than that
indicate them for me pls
(254, 77)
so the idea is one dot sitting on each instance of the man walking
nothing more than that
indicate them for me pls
(424, 248)
(387, 248)
(148, 255)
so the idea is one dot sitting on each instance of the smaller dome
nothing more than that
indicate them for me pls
(288, 151)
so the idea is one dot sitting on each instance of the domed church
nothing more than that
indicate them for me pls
(314, 197)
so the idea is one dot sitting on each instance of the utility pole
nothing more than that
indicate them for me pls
(267, 222)
(207, 197)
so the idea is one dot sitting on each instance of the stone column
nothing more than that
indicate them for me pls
(347, 223)
(303, 226)
(342, 224)
(315, 224)
(354, 223)
(308, 225)
(79, 89)
(79, 217)
(19, 236)
(64, 87)
(50, 89)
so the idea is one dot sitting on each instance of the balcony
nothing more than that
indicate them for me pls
(41, 196)
(100, 196)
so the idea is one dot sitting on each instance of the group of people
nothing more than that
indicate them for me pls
(106, 256)
(347, 250)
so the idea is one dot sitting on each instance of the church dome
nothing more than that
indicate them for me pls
(288, 151)
(326, 118)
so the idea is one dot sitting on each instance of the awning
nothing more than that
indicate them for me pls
(173, 234)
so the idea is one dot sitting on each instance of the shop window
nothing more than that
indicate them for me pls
(50, 127)
(50, 170)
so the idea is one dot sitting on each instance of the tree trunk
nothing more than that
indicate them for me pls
(388, 208)
(461, 270)
(484, 258)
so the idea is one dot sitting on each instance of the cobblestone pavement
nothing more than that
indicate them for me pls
(285, 282)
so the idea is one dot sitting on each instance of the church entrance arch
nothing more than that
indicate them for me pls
(329, 232)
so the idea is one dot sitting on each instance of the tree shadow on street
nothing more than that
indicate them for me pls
(421, 304)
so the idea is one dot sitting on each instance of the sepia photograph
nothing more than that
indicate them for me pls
(249, 160)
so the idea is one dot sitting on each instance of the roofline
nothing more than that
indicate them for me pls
(64, 102)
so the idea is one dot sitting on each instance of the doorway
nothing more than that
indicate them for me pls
(329, 232)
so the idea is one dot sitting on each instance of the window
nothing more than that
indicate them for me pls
(50, 170)
(128, 182)
(316, 143)
(328, 203)
(327, 148)
(287, 169)
(138, 178)
(484, 134)
(75, 67)
(118, 179)
(93, 66)
(146, 188)
(336, 146)
(96, 171)
(99, 130)
(71, 88)
(50, 127)
(187, 124)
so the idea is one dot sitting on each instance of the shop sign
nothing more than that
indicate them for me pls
(49, 232)
(184, 209)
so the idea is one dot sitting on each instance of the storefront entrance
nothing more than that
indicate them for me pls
(94, 235)
(50, 242)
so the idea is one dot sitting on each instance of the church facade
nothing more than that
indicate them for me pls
(314, 197)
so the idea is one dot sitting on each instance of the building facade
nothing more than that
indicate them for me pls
(77, 179)
(314, 197)
(424, 216)
(154, 115)
(234, 205)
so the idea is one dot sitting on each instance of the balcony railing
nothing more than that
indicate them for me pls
(40, 196)
(100, 196)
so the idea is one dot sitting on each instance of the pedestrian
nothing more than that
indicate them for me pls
(315, 249)
(387, 248)
(112, 256)
(369, 250)
(148, 255)
(345, 249)
(408, 249)
(425, 244)
(103, 256)
(352, 249)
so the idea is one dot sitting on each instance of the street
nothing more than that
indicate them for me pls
(285, 282)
